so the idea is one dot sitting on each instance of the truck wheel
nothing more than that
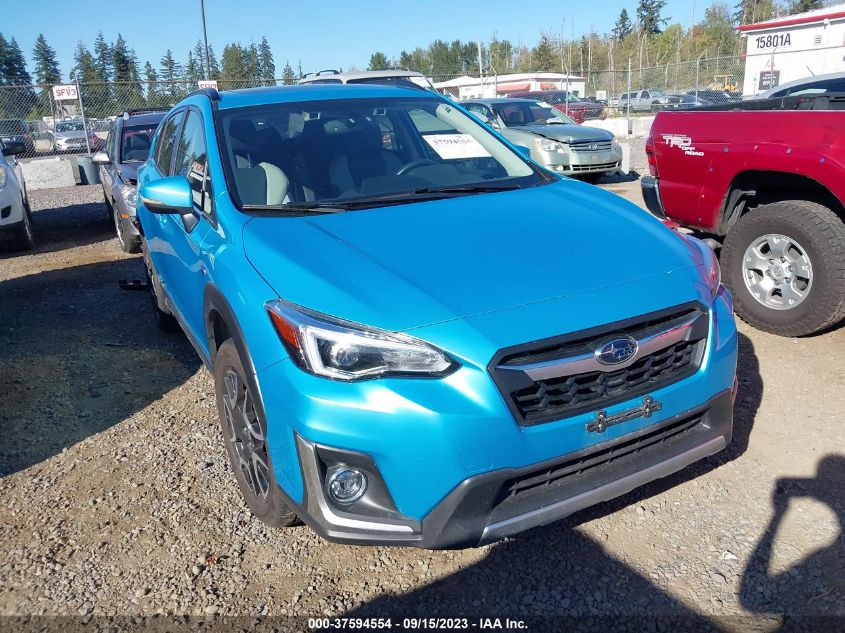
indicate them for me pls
(245, 435)
(785, 265)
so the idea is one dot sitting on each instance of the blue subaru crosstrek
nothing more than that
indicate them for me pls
(418, 336)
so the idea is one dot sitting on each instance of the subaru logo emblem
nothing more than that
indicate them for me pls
(617, 351)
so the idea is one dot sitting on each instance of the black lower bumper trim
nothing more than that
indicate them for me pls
(650, 187)
(484, 509)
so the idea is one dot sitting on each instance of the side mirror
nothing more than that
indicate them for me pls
(168, 196)
(525, 151)
(12, 148)
(100, 158)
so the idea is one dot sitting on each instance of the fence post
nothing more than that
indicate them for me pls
(82, 111)
(697, 74)
(628, 101)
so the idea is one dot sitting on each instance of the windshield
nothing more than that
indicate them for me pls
(657, 93)
(519, 113)
(135, 142)
(70, 126)
(339, 151)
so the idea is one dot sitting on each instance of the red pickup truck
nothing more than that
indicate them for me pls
(765, 182)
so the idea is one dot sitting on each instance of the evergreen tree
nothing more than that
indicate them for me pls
(170, 71)
(544, 57)
(378, 61)
(198, 55)
(103, 58)
(233, 69)
(751, 11)
(649, 16)
(267, 69)
(252, 64)
(800, 6)
(127, 90)
(623, 26)
(46, 71)
(288, 77)
(193, 68)
(213, 66)
(46, 64)
(14, 65)
(92, 91)
(155, 98)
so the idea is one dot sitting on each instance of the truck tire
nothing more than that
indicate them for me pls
(245, 436)
(785, 265)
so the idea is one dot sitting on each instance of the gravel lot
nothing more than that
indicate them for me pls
(116, 497)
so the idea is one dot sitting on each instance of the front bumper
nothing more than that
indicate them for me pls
(443, 448)
(573, 163)
(491, 506)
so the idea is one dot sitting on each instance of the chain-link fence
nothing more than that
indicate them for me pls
(630, 91)
(79, 120)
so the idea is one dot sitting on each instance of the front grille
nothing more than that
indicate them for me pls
(594, 167)
(590, 146)
(566, 394)
(577, 466)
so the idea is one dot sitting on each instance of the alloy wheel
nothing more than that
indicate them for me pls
(244, 432)
(777, 271)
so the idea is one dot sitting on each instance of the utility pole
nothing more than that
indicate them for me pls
(205, 41)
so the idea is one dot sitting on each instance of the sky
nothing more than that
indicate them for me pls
(329, 34)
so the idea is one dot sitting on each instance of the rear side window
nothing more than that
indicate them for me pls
(165, 142)
(191, 160)
(819, 87)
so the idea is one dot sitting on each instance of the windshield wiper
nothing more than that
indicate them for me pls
(459, 189)
(300, 207)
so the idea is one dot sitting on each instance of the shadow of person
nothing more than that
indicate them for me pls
(816, 585)
(554, 580)
(78, 355)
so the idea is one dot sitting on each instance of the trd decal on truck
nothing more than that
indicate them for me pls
(682, 142)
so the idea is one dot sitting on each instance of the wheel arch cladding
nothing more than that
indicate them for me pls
(220, 321)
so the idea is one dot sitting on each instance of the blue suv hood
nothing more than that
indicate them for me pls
(411, 265)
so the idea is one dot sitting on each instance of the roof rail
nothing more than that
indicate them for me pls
(328, 71)
(211, 93)
(127, 113)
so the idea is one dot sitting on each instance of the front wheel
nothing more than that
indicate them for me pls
(24, 237)
(245, 434)
(785, 265)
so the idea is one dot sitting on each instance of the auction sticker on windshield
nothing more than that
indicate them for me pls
(450, 146)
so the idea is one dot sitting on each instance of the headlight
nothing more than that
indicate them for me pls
(548, 145)
(615, 146)
(130, 195)
(712, 270)
(343, 350)
(3, 177)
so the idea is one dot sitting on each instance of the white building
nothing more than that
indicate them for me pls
(793, 47)
(498, 85)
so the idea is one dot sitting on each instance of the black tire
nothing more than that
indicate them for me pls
(24, 235)
(128, 243)
(166, 322)
(822, 234)
(109, 209)
(248, 455)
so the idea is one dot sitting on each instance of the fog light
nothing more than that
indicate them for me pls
(346, 485)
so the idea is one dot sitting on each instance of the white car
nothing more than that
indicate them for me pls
(15, 216)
